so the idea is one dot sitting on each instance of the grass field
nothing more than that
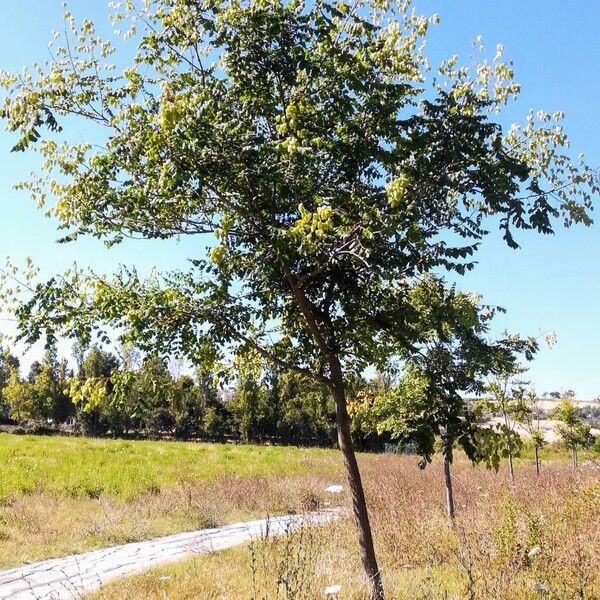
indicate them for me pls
(539, 540)
(63, 495)
(87, 467)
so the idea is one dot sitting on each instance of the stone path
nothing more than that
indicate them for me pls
(73, 576)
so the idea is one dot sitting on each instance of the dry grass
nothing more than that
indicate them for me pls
(540, 540)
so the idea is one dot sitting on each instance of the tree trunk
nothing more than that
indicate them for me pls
(574, 457)
(537, 458)
(447, 452)
(359, 505)
(511, 468)
(449, 493)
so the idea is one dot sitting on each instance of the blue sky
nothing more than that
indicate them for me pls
(551, 283)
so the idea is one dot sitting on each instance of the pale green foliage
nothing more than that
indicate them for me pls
(28, 400)
(19, 397)
(567, 413)
(89, 394)
(395, 410)
(528, 413)
(8, 364)
(39, 397)
(574, 432)
(396, 191)
(506, 399)
(311, 227)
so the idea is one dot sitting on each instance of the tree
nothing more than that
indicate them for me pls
(249, 408)
(91, 391)
(452, 362)
(505, 398)
(217, 421)
(8, 364)
(145, 399)
(151, 388)
(34, 370)
(309, 141)
(272, 381)
(217, 418)
(188, 407)
(42, 395)
(530, 414)
(307, 410)
(50, 381)
(78, 352)
(21, 399)
(573, 431)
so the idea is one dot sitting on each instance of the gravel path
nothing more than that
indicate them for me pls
(73, 576)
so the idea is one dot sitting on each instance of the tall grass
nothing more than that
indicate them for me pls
(539, 540)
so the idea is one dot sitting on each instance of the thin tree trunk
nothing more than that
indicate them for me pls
(449, 492)
(509, 449)
(359, 505)
(574, 457)
(537, 458)
(511, 468)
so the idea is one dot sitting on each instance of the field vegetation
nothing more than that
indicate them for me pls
(540, 539)
(62, 495)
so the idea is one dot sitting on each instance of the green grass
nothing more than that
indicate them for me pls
(83, 467)
(64, 495)
(554, 453)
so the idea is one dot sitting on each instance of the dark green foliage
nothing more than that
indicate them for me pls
(451, 363)
(147, 401)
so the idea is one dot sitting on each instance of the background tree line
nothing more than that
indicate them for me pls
(153, 401)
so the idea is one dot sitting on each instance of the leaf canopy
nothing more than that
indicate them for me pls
(310, 144)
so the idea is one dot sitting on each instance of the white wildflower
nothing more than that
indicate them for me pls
(332, 590)
(334, 489)
(534, 551)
